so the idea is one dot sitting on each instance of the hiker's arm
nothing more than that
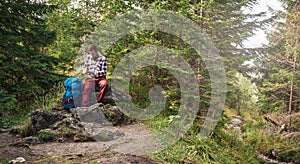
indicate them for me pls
(86, 65)
(101, 68)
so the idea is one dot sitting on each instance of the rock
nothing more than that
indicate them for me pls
(234, 125)
(43, 119)
(104, 135)
(267, 159)
(81, 124)
(15, 130)
(19, 143)
(119, 133)
(92, 127)
(17, 160)
(107, 97)
(31, 140)
(61, 140)
(92, 114)
(82, 137)
(236, 121)
(69, 122)
(107, 134)
(115, 116)
(103, 115)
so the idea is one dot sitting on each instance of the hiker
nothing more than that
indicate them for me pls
(95, 66)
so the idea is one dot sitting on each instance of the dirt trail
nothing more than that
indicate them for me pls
(127, 149)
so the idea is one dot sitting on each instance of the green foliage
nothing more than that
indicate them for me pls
(146, 78)
(157, 123)
(48, 101)
(64, 131)
(10, 120)
(279, 65)
(27, 129)
(264, 143)
(221, 147)
(243, 94)
(46, 135)
(26, 68)
(70, 25)
(6, 103)
(291, 152)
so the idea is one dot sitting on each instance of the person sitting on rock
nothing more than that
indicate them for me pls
(95, 66)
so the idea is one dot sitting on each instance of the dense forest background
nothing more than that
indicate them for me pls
(41, 39)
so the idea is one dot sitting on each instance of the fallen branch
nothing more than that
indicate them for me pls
(271, 121)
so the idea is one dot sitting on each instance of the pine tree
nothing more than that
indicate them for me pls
(26, 68)
(280, 64)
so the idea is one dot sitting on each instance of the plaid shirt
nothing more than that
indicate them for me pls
(97, 65)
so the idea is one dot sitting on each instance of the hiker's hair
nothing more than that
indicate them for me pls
(93, 47)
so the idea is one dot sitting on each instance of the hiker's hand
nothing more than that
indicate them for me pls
(91, 72)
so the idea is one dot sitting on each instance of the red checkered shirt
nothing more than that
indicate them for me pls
(98, 65)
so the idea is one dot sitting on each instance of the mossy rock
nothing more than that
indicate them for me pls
(83, 137)
(47, 135)
(43, 119)
(115, 116)
(67, 132)
(100, 114)
(27, 129)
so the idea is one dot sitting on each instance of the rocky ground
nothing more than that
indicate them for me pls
(12, 147)
(99, 134)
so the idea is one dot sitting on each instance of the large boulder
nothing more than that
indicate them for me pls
(43, 119)
(107, 97)
(103, 114)
(96, 122)
(100, 120)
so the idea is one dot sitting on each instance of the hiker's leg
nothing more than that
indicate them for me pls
(102, 83)
(89, 86)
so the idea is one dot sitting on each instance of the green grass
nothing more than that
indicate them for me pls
(220, 147)
(157, 123)
(224, 147)
(46, 135)
(263, 143)
(21, 114)
(10, 120)
(4, 161)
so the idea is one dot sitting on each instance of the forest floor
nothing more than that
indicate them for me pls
(114, 151)
(134, 147)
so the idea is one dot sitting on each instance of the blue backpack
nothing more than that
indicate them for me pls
(73, 93)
